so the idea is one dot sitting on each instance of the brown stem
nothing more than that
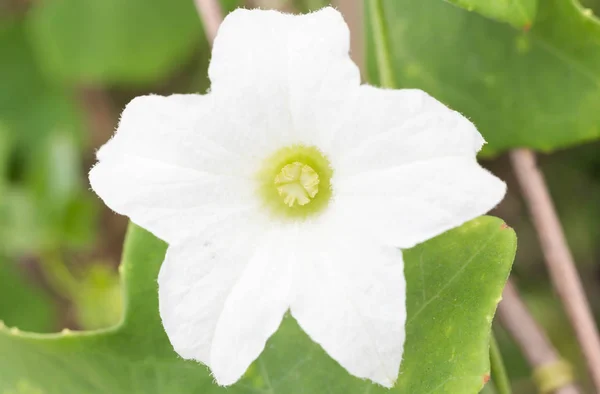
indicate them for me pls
(102, 118)
(353, 14)
(532, 340)
(558, 257)
(280, 5)
(211, 14)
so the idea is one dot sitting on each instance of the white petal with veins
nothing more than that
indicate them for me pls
(196, 279)
(406, 205)
(350, 298)
(385, 128)
(254, 308)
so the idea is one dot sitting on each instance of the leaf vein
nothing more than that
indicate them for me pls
(453, 278)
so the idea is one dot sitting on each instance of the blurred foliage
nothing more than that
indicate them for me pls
(519, 13)
(97, 298)
(113, 41)
(16, 295)
(574, 180)
(305, 6)
(44, 201)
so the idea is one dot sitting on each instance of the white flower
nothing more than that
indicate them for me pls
(291, 187)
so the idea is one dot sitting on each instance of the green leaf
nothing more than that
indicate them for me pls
(538, 89)
(97, 297)
(519, 13)
(115, 41)
(21, 303)
(454, 283)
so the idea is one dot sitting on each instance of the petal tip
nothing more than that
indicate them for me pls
(224, 379)
(328, 10)
(329, 14)
(385, 381)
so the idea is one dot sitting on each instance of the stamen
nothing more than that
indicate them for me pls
(297, 183)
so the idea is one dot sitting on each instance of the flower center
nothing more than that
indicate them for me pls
(295, 182)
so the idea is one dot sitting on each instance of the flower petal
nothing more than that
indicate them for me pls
(350, 298)
(222, 296)
(194, 282)
(406, 205)
(387, 128)
(284, 66)
(269, 50)
(165, 174)
(179, 130)
(253, 310)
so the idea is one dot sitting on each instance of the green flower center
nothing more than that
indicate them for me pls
(295, 182)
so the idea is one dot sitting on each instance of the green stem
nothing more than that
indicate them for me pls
(381, 40)
(499, 376)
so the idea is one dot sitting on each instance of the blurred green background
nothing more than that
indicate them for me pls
(67, 68)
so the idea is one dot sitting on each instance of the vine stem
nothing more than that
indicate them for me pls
(211, 14)
(559, 260)
(531, 339)
(499, 376)
(381, 41)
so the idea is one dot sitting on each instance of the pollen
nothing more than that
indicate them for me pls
(297, 183)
